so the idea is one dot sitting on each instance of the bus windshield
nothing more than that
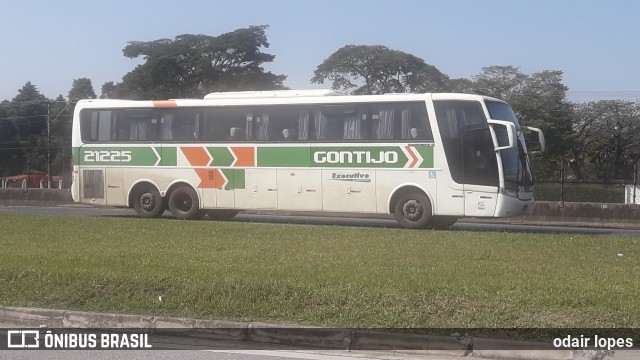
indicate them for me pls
(515, 163)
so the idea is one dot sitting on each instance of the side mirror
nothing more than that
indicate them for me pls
(540, 139)
(511, 133)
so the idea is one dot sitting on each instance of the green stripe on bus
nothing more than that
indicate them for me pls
(221, 156)
(283, 157)
(169, 156)
(358, 157)
(427, 155)
(123, 156)
(392, 157)
(235, 177)
(341, 156)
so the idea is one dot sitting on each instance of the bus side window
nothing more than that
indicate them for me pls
(303, 125)
(261, 124)
(223, 124)
(123, 129)
(284, 125)
(397, 122)
(212, 129)
(383, 124)
(179, 125)
(97, 125)
(143, 129)
(88, 127)
(167, 124)
(353, 129)
(415, 124)
(239, 124)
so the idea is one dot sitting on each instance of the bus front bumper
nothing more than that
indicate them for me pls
(508, 206)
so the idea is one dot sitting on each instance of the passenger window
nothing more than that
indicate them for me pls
(338, 122)
(143, 124)
(276, 125)
(400, 121)
(225, 124)
(179, 125)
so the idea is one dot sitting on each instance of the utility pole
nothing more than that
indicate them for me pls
(48, 144)
(635, 179)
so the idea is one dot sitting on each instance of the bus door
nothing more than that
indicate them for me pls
(114, 186)
(91, 178)
(480, 173)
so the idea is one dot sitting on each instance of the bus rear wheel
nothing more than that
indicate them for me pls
(183, 204)
(222, 215)
(148, 203)
(413, 211)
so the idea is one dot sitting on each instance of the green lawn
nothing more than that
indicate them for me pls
(319, 275)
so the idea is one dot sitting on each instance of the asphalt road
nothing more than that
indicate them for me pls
(462, 225)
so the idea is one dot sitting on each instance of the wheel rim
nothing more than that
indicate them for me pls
(184, 203)
(413, 210)
(148, 202)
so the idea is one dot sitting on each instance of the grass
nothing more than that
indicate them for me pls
(319, 275)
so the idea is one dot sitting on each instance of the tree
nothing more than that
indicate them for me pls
(8, 141)
(538, 100)
(376, 69)
(107, 91)
(608, 133)
(194, 65)
(502, 82)
(24, 121)
(81, 89)
(61, 114)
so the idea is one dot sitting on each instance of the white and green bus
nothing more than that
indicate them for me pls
(427, 159)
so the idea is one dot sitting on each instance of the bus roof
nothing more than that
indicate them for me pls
(278, 97)
(272, 94)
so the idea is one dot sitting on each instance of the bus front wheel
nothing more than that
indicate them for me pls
(148, 203)
(183, 204)
(413, 211)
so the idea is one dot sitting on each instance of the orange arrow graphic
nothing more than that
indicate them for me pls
(197, 156)
(211, 178)
(245, 156)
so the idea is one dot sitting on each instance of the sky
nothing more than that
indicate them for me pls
(595, 43)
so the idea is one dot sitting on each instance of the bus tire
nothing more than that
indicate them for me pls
(222, 215)
(201, 213)
(183, 203)
(442, 222)
(148, 203)
(413, 211)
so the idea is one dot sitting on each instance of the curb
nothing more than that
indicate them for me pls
(290, 336)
